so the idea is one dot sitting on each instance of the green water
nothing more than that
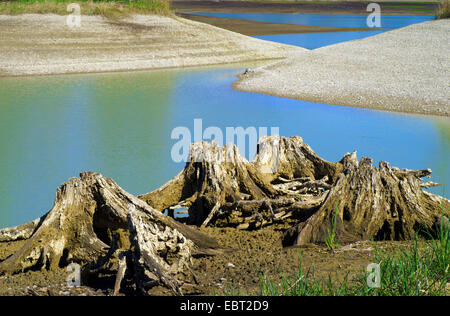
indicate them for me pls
(119, 124)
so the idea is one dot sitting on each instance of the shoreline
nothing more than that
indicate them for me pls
(318, 100)
(237, 64)
(94, 48)
(399, 71)
(44, 45)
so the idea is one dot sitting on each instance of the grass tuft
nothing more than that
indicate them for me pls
(331, 240)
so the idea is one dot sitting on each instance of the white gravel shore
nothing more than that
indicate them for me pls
(36, 44)
(404, 70)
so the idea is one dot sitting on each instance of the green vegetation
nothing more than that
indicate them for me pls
(415, 8)
(107, 8)
(421, 269)
(443, 11)
(304, 285)
(331, 240)
(411, 272)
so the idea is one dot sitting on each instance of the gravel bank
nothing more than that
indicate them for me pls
(404, 70)
(36, 44)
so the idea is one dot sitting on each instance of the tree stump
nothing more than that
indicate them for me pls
(215, 175)
(94, 220)
(287, 179)
(383, 203)
(89, 213)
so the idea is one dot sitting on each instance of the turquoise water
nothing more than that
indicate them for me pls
(120, 124)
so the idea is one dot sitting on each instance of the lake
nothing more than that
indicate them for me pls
(120, 124)
(316, 40)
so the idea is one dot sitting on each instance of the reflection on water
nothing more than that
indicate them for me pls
(330, 20)
(54, 127)
(119, 124)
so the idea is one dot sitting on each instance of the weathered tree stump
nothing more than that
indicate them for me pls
(382, 203)
(91, 214)
(289, 158)
(288, 180)
(214, 175)
(94, 222)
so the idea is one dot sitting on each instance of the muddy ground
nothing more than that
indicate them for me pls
(249, 255)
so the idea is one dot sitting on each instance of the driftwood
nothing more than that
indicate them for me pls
(288, 180)
(93, 221)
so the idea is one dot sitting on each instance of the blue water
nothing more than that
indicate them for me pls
(120, 124)
(330, 20)
(316, 40)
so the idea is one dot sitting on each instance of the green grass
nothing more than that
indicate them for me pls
(421, 269)
(411, 272)
(304, 284)
(416, 8)
(113, 8)
(443, 12)
(331, 241)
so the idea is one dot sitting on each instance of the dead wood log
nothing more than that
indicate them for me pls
(87, 213)
(67, 232)
(401, 173)
(20, 232)
(302, 187)
(429, 184)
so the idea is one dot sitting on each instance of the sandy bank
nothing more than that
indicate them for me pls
(404, 70)
(36, 44)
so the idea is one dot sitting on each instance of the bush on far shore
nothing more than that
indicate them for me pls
(443, 11)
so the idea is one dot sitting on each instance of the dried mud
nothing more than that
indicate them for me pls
(249, 255)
